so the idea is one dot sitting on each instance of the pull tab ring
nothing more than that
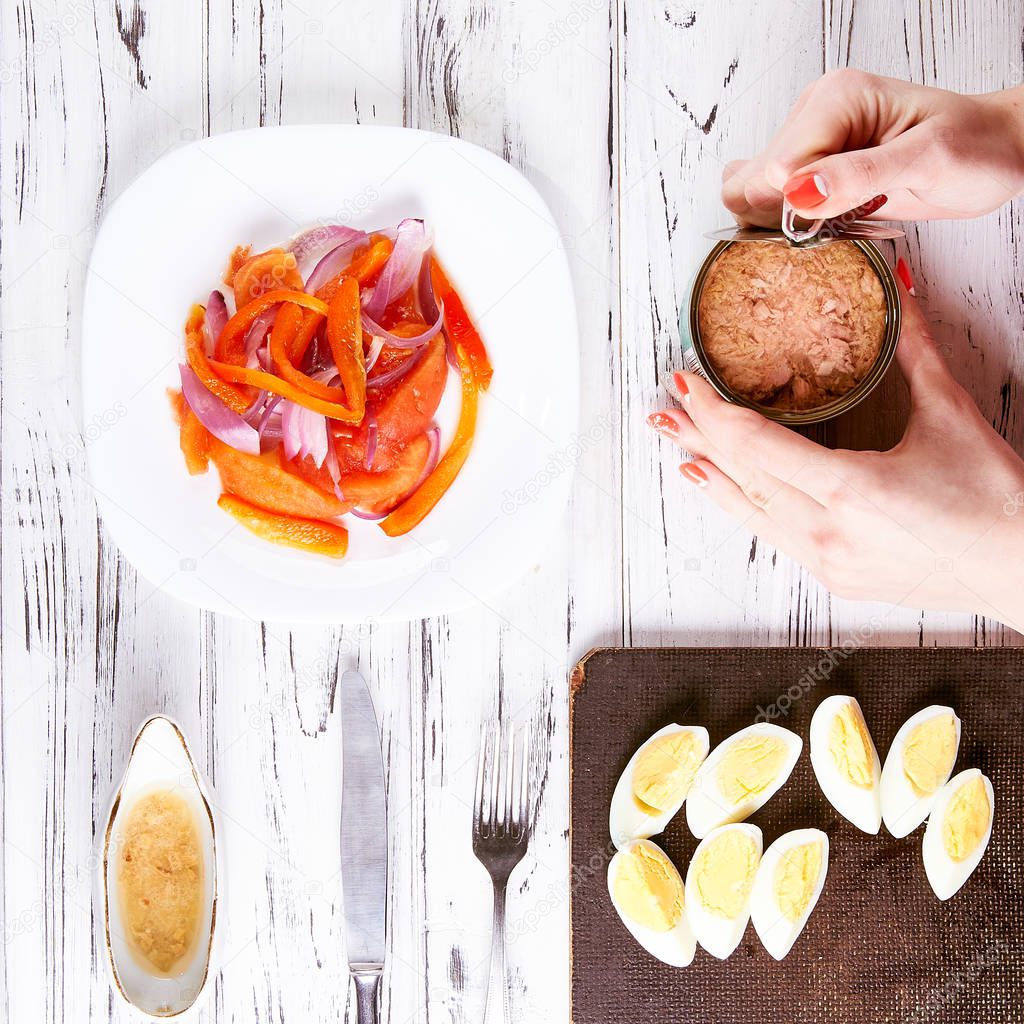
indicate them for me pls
(791, 231)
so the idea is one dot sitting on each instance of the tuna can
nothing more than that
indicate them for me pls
(861, 234)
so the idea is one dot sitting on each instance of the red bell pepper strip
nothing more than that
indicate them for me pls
(411, 512)
(230, 347)
(460, 327)
(307, 534)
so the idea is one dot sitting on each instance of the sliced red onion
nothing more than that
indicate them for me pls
(402, 268)
(215, 319)
(396, 340)
(256, 335)
(371, 437)
(253, 415)
(372, 517)
(316, 241)
(224, 423)
(331, 265)
(268, 412)
(374, 353)
(383, 379)
(304, 432)
(434, 436)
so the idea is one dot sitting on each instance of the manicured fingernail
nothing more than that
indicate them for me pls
(694, 474)
(682, 387)
(806, 191)
(904, 275)
(664, 424)
(871, 206)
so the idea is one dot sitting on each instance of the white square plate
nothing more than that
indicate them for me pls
(163, 245)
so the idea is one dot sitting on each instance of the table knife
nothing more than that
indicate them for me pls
(364, 844)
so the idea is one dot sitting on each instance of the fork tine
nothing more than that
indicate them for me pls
(507, 796)
(494, 764)
(524, 784)
(478, 797)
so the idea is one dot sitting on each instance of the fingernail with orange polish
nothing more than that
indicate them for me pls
(806, 191)
(681, 386)
(903, 270)
(664, 424)
(694, 474)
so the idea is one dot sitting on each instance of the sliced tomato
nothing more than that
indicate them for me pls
(265, 272)
(262, 481)
(379, 491)
(407, 407)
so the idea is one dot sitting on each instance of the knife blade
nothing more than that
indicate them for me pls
(364, 841)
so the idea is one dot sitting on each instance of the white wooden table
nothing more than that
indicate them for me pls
(622, 116)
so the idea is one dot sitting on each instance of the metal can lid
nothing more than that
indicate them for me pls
(819, 232)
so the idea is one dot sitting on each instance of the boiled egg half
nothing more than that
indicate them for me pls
(958, 831)
(789, 881)
(655, 783)
(919, 763)
(719, 882)
(740, 775)
(648, 895)
(845, 762)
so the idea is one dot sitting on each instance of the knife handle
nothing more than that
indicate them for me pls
(367, 995)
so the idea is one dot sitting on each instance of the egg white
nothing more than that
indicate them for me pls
(708, 808)
(627, 820)
(947, 876)
(718, 935)
(902, 809)
(675, 947)
(861, 807)
(776, 932)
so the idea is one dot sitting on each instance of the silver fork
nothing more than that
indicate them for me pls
(501, 831)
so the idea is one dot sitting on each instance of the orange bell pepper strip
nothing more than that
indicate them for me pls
(193, 436)
(264, 272)
(345, 337)
(195, 355)
(262, 480)
(364, 267)
(230, 346)
(411, 512)
(292, 531)
(275, 385)
(460, 327)
(289, 321)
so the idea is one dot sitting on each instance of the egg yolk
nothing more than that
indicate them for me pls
(796, 877)
(850, 747)
(724, 873)
(647, 888)
(967, 819)
(929, 754)
(749, 767)
(664, 771)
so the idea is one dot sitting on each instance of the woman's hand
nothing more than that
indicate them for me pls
(936, 522)
(852, 136)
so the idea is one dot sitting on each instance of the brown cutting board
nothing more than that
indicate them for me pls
(879, 947)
